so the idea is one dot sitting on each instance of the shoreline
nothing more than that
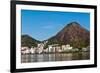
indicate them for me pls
(55, 53)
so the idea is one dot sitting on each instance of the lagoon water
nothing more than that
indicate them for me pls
(28, 58)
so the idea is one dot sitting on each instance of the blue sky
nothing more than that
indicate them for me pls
(42, 25)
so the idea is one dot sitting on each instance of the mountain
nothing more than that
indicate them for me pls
(73, 34)
(27, 40)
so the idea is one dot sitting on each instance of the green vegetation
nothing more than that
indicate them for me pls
(79, 43)
(27, 40)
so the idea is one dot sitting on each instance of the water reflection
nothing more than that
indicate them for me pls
(54, 57)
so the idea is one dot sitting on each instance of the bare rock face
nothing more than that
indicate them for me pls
(73, 34)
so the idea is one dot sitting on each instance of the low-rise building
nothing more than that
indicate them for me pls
(45, 50)
(53, 48)
(66, 47)
(32, 50)
(50, 48)
(40, 48)
(24, 48)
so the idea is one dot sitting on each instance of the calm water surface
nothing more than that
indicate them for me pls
(54, 57)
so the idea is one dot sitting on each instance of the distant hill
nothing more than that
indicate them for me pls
(27, 40)
(73, 34)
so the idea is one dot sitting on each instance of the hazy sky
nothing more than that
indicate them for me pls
(41, 25)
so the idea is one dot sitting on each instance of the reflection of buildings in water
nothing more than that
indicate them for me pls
(85, 55)
(25, 58)
(68, 56)
(81, 56)
(77, 56)
(51, 57)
